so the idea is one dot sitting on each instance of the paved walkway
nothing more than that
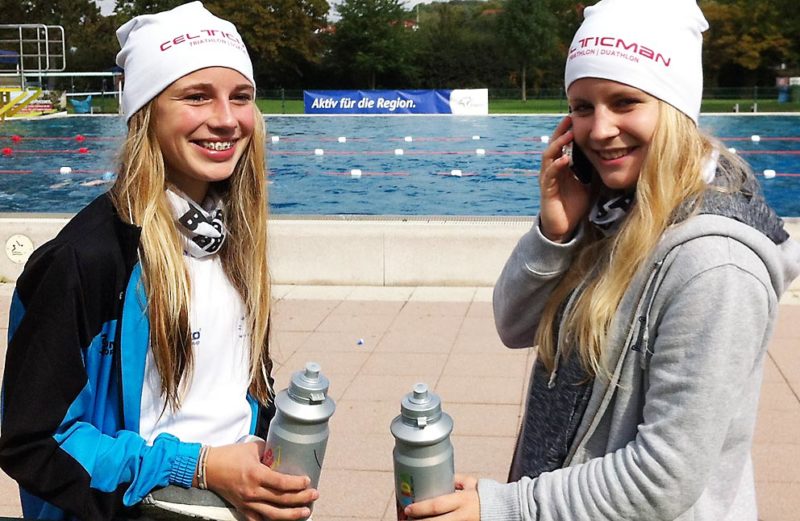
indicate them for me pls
(375, 343)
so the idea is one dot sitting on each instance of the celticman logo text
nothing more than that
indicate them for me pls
(203, 36)
(613, 46)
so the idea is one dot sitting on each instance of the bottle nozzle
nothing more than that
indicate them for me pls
(312, 370)
(309, 385)
(420, 393)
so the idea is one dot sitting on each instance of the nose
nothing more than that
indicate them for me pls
(604, 124)
(223, 117)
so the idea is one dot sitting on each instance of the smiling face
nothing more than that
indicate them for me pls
(614, 124)
(204, 122)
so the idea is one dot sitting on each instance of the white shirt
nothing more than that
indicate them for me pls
(215, 410)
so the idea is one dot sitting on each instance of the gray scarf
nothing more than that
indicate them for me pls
(609, 209)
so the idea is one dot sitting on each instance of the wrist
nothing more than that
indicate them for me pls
(552, 237)
(183, 459)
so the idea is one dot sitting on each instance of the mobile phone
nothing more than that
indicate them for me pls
(579, 163)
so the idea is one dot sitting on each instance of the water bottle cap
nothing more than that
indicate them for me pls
(420, 406)
(309, 385)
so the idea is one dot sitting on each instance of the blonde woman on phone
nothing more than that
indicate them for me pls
(651, 293)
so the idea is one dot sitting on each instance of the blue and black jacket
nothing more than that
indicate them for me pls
(77, 342)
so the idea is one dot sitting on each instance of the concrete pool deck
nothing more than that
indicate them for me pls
(379, 333)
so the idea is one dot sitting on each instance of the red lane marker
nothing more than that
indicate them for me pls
(335, 139)
(434, 139)
(761, 138)
(28, 151)
(78, 171)
(406, 152)
(282, 139)
(17, 138)
(332, 153)
(377, 174)
(472, 152)
(438, 152)
(763, 152)
(73, 172)
(521, 173)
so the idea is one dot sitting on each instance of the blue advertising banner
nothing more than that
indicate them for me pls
(458, 101)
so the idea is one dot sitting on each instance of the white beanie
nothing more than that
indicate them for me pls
(158, 49)
(653, 45)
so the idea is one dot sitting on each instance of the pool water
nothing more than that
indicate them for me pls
(379, 165)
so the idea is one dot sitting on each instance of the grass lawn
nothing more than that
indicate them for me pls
(273, 106)
(503, 106)
(555, 106)
(745, 105)
(532, 106)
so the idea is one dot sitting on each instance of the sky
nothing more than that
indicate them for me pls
(107, 6)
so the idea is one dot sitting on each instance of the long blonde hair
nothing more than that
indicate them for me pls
(139, 198)
(670, 179)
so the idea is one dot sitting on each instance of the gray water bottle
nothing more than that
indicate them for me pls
(423, 455)
(298, 434)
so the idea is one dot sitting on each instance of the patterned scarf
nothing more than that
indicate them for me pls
(610, 209)
(202, 227)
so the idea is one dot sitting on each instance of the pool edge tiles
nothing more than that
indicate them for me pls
(439, 251)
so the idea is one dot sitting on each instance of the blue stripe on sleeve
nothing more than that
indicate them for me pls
(135, 340)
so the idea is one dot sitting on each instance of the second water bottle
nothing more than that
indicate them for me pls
(423, 454)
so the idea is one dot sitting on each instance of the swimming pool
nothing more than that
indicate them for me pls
(380, 165)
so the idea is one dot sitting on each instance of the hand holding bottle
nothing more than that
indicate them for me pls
(236, 473)
(462, 505)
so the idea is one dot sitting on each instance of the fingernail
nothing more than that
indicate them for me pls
(315, 495)
(306, 512)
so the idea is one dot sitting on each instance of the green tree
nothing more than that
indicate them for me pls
(529, 30)
(789, 16)
(371, 39)
(127, 9)
(457, 45)
(281, 35)
(745, 41)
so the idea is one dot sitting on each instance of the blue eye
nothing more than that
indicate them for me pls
(627, 102)
(580, 108)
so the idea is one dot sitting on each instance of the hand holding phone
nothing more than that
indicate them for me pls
(578, 162)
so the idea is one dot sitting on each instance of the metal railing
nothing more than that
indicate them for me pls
(30, 50)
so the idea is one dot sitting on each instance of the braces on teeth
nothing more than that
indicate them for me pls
(217, 145)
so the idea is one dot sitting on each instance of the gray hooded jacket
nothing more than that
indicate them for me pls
(669, 436)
